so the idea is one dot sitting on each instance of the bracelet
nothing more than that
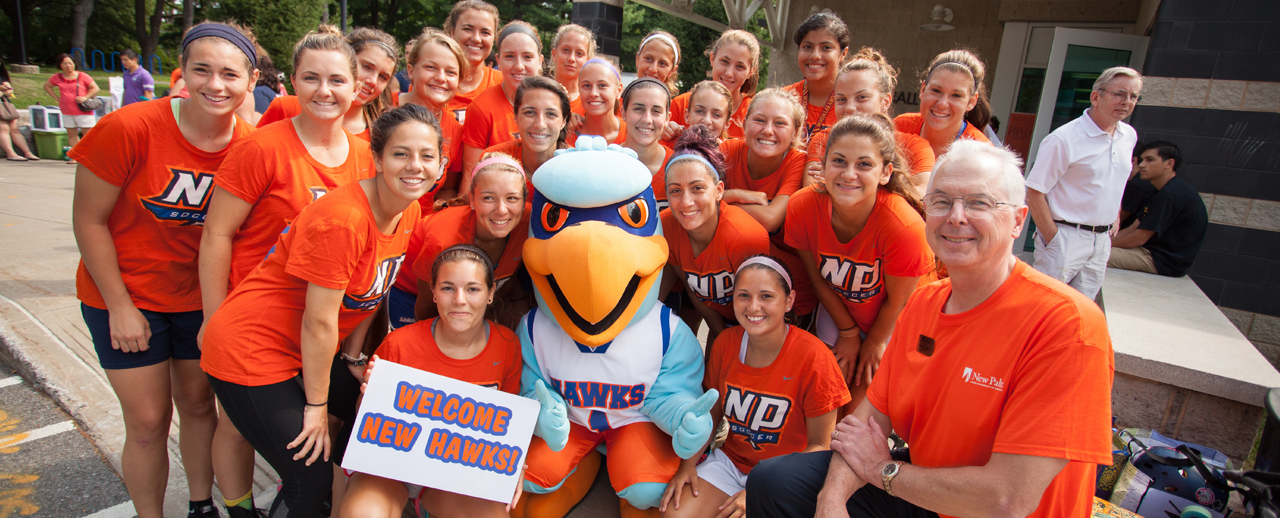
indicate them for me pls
(325, 403)
(355, 361)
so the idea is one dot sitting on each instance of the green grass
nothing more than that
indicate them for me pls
(28, 89)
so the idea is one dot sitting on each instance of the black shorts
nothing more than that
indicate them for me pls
(173, 336)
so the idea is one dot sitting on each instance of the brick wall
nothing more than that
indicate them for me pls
(1213, 88)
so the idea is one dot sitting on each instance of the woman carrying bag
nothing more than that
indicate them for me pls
(75, 94)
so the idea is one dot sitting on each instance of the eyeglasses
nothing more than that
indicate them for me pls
(1122, 96)
(939, 204)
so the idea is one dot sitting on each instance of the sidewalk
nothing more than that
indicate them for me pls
(41, 330)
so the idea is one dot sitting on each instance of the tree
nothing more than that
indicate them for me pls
(147, 28)
(80, 13)
(188, 15)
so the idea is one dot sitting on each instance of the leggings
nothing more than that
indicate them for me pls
(270, 417)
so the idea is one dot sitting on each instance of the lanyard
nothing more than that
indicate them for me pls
(809, 129)
(963, 125)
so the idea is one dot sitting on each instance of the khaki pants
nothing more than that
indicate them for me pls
(1136, 259)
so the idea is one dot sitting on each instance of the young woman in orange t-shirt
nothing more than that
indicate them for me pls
(709, 104)
(658, 56)
(434, 66)
(822, 42)
(953, 101)
(866, 85)
(735, 63)
(269, 348)
(459, 344)
(473, 24)
(645, 105)
(572, 46)
(376, 56)
(542, 111)
(796, 383)
(862, 244)
(140, 196)
(263, 184)
(600, 85)
(490, 119)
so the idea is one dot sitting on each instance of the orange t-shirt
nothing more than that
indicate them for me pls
(733, 127)
(490, 120)
(497, 366)
(814, 111)
(891, 243)
(515, 148)
(1027, 372)
(287, 107)
(174, 76)
(758, 402)
(621, 139)
(785, 181)
(659, 182)
(709, 275)
(255, 337)
(165, 185)
(452, 154)
(913, 123)
(452, 226)
(914, 148)
(272, 171)
(489, 77)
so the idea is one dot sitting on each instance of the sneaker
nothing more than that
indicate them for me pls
(240, 512)
(204, 511)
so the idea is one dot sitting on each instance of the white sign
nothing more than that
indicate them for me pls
(442, 433)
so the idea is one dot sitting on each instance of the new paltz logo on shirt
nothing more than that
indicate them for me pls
(184, 200)
(713, 287)
(852, 280)
(976, 378)
(386, 274)
(756, 417)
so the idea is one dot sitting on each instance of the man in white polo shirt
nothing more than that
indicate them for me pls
(1075, 186)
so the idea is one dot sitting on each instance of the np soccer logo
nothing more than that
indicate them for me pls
(184, 200)
(386, 274)
(852, 280)
(755, 416)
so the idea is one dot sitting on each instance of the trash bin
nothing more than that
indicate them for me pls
(1269, 448)
(50, 144)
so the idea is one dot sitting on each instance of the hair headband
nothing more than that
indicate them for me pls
(962, 65)
(694, 156)
(497, 159)
(767, 262)
(665, 39)
(391, 51)
(225, 32)
(470, 248)
(642, 80)
(605, 62)
(522, 29)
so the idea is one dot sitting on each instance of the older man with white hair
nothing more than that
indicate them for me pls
(1074, 187)
(999, 379)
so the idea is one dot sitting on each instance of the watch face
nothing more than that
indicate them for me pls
(890, 468)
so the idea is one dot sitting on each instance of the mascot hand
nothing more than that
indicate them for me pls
(695, 427)
(553, 420)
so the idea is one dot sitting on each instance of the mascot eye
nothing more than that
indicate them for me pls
(635, 213)
(553, 217)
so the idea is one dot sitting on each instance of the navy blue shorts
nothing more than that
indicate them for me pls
(173, 336)
(400, 307)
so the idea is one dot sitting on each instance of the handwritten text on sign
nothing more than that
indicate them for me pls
(439, 432)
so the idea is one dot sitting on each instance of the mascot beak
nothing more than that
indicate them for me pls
(599, 275)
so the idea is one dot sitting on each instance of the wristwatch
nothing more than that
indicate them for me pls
(890, 471)
(351, 360)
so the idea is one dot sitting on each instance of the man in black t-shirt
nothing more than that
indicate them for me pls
(1169, 227)
(1137, 192)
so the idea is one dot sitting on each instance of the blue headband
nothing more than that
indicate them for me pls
(225, 32)
(604, 62)
(692, 156)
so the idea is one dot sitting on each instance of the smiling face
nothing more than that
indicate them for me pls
(498, 199)
(646, 116)
(540, 120)
(217, 75)
(944, 99)
(475, 31)
(323, 84)
(731, 66)
(517, 59)
(374, 69)
(435, 76)
(410, 162)
(569, 55)
(854, 170)
(965, 242)
(770, 128)
(598, 90)
(760, 300)
(656, 60)
(461, 294)
(709, 108)
(859, 92)
(820, 55)
(693, 194)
